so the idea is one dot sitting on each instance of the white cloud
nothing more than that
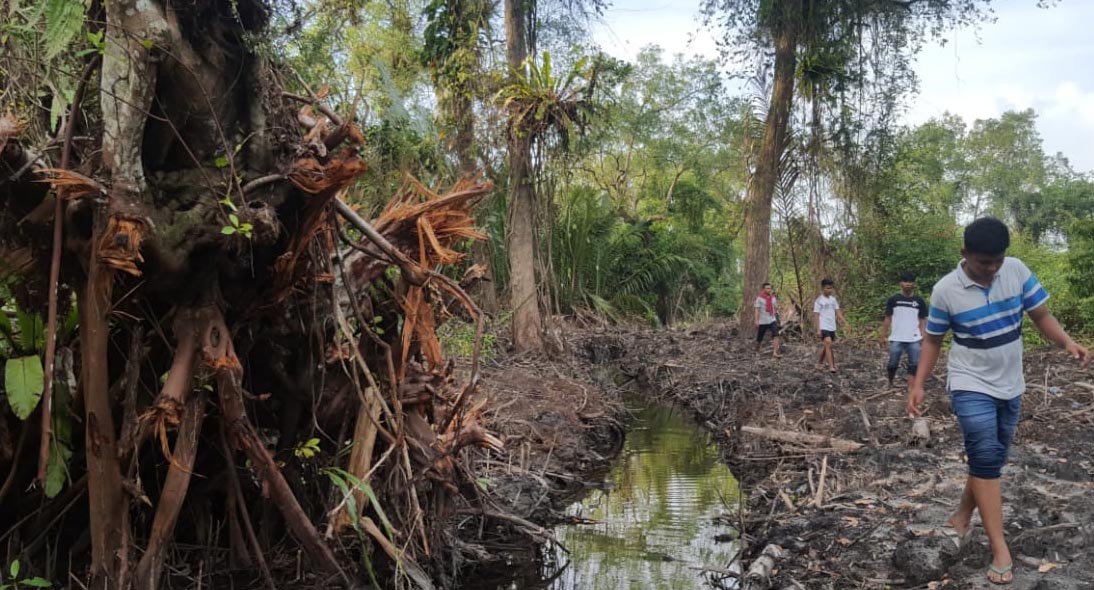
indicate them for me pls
(630, 25)
(1071, 101)
(1029, 58)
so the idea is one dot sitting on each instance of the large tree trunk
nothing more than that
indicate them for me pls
(761, 190)
(523, 297)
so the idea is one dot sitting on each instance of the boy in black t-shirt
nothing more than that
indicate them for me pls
(905, 324)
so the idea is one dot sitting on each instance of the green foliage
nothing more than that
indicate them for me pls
(57, 469)
(244, 229)
(1081, 257)
(23, 384)
(32, 334)
(24, 381)
(653, 268)
(542, 104)
(928, 245)
(307, 449)
(14, 582)
(454, 32)
(64, 20)
(643, 223)
(457, 338)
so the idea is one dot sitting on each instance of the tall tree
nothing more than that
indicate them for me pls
(784, 24)
(840, 50)
(452, 51)
(523, 292)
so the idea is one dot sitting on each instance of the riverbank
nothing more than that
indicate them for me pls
(868, 518)
(562, 426)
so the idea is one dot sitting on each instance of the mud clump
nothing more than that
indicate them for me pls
(923, 559)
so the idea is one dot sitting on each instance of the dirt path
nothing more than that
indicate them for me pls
(873, 525)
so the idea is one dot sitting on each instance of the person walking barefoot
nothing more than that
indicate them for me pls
(983, 302)
(767, 320)
(826, 310)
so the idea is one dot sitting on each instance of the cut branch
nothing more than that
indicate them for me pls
(802, 438)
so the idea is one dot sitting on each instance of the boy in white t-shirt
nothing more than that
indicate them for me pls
(826, 311)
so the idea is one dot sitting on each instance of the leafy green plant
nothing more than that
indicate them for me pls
(23, 373)
(542, 102)
(243, 228)
(349, 484)
(15, 582)
(307, 449)
(24, 385)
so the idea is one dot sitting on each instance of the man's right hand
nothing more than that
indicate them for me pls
(818, 333)
(915, 400)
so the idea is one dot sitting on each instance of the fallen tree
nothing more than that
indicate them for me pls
(254, 358)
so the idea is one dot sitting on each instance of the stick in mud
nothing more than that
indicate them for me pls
(802, 438)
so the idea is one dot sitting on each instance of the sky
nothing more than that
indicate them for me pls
(1028, 58)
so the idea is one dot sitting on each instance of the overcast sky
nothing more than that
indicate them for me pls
(1029, 57)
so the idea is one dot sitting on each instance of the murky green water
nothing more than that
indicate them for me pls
(655, 521)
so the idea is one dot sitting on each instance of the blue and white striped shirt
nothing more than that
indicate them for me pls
(986, 355)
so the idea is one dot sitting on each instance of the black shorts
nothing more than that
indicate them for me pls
(828, 334)
(773, 327)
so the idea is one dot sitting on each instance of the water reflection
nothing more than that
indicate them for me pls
(655, 521)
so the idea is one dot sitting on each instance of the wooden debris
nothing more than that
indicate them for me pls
(802, 438)
(360, 458)
(759, 573)
(75, 185)
(818, 499)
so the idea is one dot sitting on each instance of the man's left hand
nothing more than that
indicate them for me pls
(1078, 352)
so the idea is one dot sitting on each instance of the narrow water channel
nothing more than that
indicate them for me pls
(654, 525)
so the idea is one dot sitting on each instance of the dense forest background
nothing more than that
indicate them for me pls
(642, 169)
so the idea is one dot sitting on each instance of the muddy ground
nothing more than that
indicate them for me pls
(874, 525)
(562, 424)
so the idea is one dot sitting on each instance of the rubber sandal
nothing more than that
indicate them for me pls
(1001, 571)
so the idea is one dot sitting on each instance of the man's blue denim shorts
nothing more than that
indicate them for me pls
(988, 424)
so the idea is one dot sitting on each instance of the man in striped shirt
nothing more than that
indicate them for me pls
(983, 302)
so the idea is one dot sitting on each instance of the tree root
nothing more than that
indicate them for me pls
(174, 493)
(218, 353)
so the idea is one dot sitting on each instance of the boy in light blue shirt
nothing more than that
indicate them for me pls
(983, 302)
